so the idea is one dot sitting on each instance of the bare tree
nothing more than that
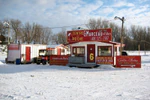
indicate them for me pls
(16, 26)
(139, 35)
(99, 23)
(60, 38)
(28, 33)
(47, 36)
(37, 33)
(42, 35)
(55, 39)
(115, 32)
(92, 24)
(4, 31)
(1, 28)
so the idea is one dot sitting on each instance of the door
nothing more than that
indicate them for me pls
(90, 53)
(28, 50)
(58, 51)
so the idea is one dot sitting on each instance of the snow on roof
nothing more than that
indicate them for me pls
(110, 42)
(52, 46)
(55, 46)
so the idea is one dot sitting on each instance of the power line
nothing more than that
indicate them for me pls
(111, 20)
(67, 26)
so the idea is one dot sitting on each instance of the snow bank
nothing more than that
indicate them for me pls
(138, 53)
(1, 63)
(3, 55)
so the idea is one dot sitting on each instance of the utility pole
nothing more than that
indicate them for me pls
(121, 35)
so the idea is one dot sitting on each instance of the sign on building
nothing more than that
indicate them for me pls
(102, 35)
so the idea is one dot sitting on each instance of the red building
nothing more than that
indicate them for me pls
(90, 48)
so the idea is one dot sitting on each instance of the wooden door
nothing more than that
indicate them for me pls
(91, 53)
(28, 51)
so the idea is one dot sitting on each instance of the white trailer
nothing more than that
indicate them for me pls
(24, 52)
(60, 49)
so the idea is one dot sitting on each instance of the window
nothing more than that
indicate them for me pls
(104, 50)
(79, 51)
(50, 52)
(42, 52)
(63, 50)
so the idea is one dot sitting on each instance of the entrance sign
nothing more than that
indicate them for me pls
(58, 59)
(102, 35)
(128, 61)
(105, 60)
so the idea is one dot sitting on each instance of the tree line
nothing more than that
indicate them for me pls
(15, 31)
(36, 33)
(133, 37)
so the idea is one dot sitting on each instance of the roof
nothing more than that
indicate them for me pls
(110, 42)
(56, 46)
(52, 46)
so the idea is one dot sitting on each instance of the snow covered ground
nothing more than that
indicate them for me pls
(44, 82)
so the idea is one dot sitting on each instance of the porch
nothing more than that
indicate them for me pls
(76, 61)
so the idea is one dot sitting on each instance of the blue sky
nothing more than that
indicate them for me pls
(57, 13)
